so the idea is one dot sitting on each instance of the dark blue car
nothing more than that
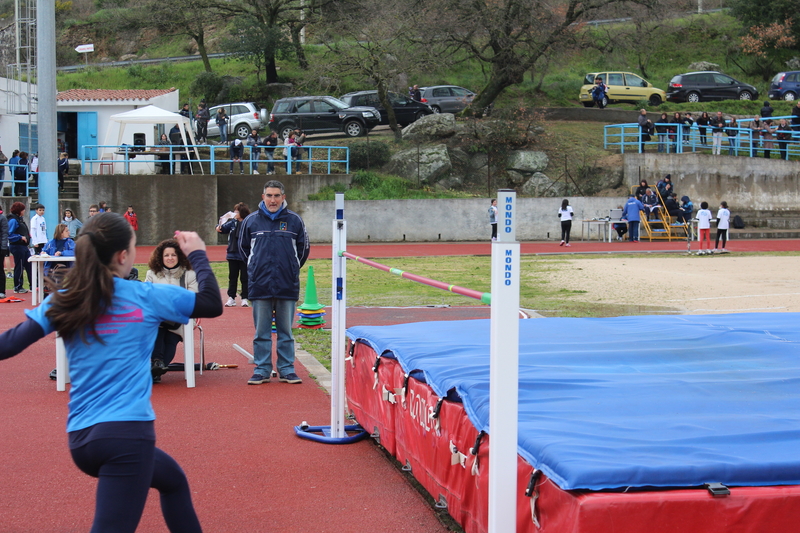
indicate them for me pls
(785, 86)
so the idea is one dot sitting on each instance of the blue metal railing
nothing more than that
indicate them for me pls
(679, 139)
(124, 157)
(7, 177)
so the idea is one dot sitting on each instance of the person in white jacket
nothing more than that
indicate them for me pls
(39, 235)
(168, 264)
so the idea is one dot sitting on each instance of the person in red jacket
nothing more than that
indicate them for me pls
(130, 216)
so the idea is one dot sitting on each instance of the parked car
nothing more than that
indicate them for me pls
(321, 114)
(243, 117)
(622, 87)
(705, 86)
(785, 86)
(446, 98)
(406, 110)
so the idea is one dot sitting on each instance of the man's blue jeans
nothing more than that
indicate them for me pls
(262, 343)
(633, 230)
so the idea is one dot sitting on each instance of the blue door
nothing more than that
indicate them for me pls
(87, 134)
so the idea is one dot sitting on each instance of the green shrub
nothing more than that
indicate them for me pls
(208, 85)
(368, 154)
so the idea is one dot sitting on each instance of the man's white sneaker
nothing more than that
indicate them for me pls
(255, 172)
(230, 303)
(245, 302)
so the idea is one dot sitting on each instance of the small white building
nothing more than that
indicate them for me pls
(83, 116)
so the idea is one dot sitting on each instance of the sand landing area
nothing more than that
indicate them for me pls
(691, 284)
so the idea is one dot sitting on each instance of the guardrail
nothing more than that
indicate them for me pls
(188, 159)
(679, 139)
(17, 185)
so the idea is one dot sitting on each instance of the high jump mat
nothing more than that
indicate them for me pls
(629, 424)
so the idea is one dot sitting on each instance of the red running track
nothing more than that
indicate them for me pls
(247, 469)
(421, 249)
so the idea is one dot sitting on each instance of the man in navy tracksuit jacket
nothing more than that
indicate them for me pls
(274, 242)
(631, 213)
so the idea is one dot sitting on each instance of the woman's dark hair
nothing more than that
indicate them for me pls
(59, 230)
(703, 205)
(564, 203)
(156, 263)
(643, 183)
(23, 155)
(17, 208)
(89, 287)
(724, 204)
(69, 211)
(243, 209)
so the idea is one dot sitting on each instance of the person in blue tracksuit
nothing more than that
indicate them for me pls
(631, 213)
(274, 243)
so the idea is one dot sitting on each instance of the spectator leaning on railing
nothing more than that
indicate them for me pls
(784, 135)
(733, 135)
(796, 117)
(717, 124)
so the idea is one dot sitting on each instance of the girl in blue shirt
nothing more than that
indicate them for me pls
(60, 245)
(109, 325)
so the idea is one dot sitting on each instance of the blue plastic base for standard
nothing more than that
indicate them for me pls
(313, 433)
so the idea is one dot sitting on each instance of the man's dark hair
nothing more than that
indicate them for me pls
(274, 184)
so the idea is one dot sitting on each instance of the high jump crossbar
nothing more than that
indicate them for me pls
(503, 354)
(484, 297)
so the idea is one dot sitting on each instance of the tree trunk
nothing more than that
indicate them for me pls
(497, 82)
(270, 67)
(201, 48)
(302, 61)
(383, 96)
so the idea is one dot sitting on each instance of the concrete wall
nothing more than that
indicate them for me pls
(166, 203)
(746, 183)
(445, 220)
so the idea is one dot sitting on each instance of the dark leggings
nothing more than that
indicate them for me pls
(166, 345)
(724, 233)
(126, 470)
(21, 254)
(237, 270)
(566, 226)
(494, 231)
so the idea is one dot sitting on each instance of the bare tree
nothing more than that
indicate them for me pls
(372, 39)
(177, 17)
(274, 16)
(509, 36)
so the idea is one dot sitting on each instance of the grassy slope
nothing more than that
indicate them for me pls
(676, 45)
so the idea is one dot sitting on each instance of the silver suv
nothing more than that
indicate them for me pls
(446, 98)
(243, 117)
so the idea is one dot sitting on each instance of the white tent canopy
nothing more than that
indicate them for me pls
(152, 115)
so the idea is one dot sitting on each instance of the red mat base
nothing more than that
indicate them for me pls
(398, 411)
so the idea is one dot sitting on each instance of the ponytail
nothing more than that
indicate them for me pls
(89, 287)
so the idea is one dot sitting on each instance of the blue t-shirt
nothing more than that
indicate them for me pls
(111, 382)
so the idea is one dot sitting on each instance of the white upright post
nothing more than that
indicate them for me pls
(338, 310)
(504, 368)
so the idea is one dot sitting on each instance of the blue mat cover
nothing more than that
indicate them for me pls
(610, 403)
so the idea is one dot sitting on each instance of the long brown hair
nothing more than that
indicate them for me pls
(89, 289)
(59, 230)
(156, 263)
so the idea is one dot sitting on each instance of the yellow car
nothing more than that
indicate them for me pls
(622, 87)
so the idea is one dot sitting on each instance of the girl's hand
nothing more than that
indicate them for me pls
(189, 241)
